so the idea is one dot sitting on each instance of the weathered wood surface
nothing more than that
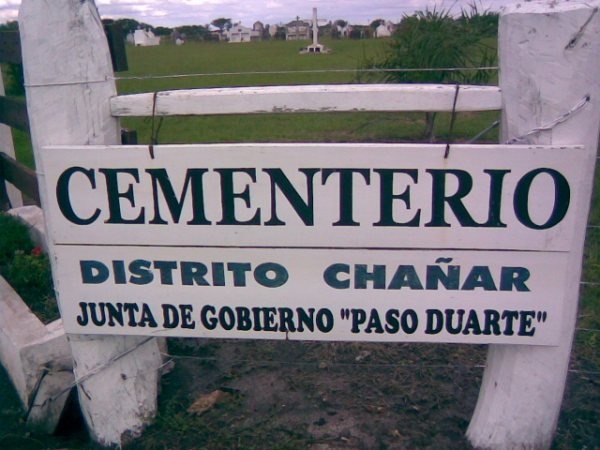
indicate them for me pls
(68, 77)
(21, 176)
(36, 358)
(550, 61)
(129, 137)
(10, 47)
(10, 195)
(13, 112)
(4, 200)
(318, 98)
(116, 45)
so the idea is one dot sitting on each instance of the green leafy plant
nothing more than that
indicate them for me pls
(26, 268)
(29, 274)
(12, 73)
(13, 237)
(476, 20)
(448, 50)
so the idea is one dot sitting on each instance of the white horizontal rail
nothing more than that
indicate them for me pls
(311, 98)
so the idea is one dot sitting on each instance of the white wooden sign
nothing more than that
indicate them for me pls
(319, 242)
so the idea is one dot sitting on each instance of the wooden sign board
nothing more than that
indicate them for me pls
(315, 242)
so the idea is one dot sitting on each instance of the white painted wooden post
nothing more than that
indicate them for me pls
(68, 80)
(549, 63)
(6, 146)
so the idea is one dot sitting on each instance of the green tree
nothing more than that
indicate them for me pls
(481, 22)
(433, 39)
(193, 32)
(130, 25)
(13, 25)
(360, 32)
(12, 73)
(163, 31)
(336, 28)
(222, 23)
(376, 23)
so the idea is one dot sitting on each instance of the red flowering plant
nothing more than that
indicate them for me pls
(26, 268)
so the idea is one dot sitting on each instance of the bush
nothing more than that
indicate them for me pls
(14, 237)
(26, 268)
(477, 22)
(12, 73)
(29, 274)
(13, 79)
(433, 39)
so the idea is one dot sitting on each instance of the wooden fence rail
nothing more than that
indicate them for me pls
(13, 112)
(21, 176)
(313, 98)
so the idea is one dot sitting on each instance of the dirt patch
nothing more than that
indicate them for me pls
(318, 395)
(303, 395)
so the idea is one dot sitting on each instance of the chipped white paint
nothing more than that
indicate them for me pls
(7, 147)
(550, 60)
(36, 357)
(317, 98)
(66, 67)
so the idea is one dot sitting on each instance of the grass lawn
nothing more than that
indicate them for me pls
(222, 65)
(237, 59)
(236, 65)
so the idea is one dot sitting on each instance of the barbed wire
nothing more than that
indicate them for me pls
(589, 283)
(100, 368)
(326, 364)
(551, 125)
(308, 71)
(321, 364)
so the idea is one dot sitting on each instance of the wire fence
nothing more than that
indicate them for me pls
(345, 365)
(308, 71)
(364, 363)
(546, 127)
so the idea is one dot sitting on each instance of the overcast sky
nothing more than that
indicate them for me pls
(198, 12)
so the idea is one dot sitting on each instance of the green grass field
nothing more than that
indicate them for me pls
(235, 59)
(205, 65)
(246, 65)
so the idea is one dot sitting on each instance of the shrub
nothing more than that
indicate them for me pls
(433, 39)
(26, 268)
(14, 237)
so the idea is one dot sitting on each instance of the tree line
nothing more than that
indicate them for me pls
(223, 24)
